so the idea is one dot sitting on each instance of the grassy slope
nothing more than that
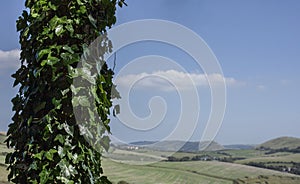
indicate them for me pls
(282, 142)
(269, 179)
(151, 174)
(183, 172)
(273, 158)
(245, 153)
(189, 172)
(220, 169)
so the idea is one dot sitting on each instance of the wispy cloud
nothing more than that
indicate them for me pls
(9, 59)
(173, 80)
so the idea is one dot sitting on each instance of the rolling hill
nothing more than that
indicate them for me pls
(189, 172)
(175, 146)
(280, 143)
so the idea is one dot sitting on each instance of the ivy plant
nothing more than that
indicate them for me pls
(49, 145)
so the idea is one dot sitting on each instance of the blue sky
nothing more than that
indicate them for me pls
(256, 42)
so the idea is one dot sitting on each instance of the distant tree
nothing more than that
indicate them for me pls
(48, 144)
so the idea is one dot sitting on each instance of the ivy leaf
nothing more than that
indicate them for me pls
(69, 27)
(59, 30)
(42, 53)
(79, 2)
(105, 142)
(61, 151)
(39, 155)
(49, 154)
(69, 49)
(33, 166)
(34, 15)
(82, 9)
(57, 103)
(52, 6)
(92, 20)
(69, 129)
(60, 138)
(44, 176)
(66, 168)
(80, 100)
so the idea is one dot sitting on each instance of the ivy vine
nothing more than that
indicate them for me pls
(49, 145)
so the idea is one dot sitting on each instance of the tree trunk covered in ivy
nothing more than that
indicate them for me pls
(49, 146)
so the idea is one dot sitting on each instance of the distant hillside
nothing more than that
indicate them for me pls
(239, 146)
(281, 142)
(177, 145)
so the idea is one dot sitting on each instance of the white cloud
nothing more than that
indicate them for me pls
(10, 59)
(171, 79)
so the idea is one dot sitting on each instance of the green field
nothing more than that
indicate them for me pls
(278, 157)
(154, 174)
(183, 172)
(268, 180)
(204, 172)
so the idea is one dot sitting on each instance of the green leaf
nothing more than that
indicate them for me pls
(49, 128)
(57, 103)
(50, 61)
(69, 49)
(80, 100)
(60, 138)
(52, 6)
(66, 168)
(59, 30)
(82, 9)
(33, 166)
(61, 151)
(39, 155)
(34, 15)
(92, 20)
(69, 129)
(44, 176)
(65, 180)
(70, 28)
(79, 2)
(49, 154)
(105, 142)
(42, 53)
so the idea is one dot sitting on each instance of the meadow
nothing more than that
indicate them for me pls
(149, 166)
(189, 172)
